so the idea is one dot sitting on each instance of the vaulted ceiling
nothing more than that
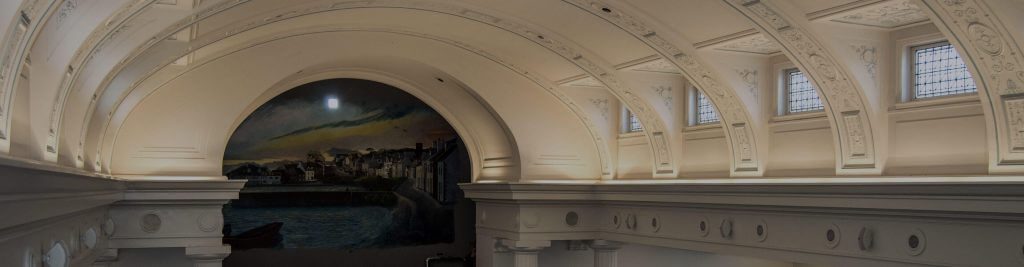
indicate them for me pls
(150, 88)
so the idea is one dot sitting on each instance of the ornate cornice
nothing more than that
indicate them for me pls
(739, 131)
(842, 97)
(997, 65)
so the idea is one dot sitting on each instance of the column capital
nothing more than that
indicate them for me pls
(601, 244)
(523, 245)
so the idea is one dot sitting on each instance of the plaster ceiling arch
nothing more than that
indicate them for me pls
(996, 62)
(539, 81)
(660, 141)
(539, 144)
(19, 37)
(740, 127)
(848, 111)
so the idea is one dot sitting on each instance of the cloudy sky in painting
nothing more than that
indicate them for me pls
(369, 115)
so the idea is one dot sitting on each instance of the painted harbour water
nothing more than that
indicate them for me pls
(342, 227)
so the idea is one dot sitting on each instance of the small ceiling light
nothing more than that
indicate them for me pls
(332, 103)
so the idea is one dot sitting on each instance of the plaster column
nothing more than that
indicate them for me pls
(524, 252)
(605, 252)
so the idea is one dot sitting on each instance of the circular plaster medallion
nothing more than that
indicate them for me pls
(572, 218)
(631, 221)
(150, 222)
(89, 238)
(57, 255)
(915, 242)
(866, 239)
(703, 225)
(761, 231)
(617, 220)
(985, 38)
(209, 222)
(656, 223)
(832, 236)
(108, 227)
(726, 228)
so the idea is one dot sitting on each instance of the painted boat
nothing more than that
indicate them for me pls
(265, 236)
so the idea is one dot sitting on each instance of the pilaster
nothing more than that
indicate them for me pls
(605, 252)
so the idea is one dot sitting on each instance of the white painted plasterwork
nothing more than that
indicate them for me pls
(844, 103)
(659, 64)
(749, 78)
(93, 45)
(997, 64)
(584, 81)
(886, 14)
(86, 52)
(754, 43)
(18, 39)
(868, 55)
(661, 143)
(740, 134)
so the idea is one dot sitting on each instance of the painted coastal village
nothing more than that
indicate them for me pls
(410, 191)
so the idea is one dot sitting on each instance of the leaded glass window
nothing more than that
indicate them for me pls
(800, 93)
(939, 71)
(633, 123)
(706, 113)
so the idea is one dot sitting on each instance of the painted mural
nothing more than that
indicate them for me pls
(347, 164)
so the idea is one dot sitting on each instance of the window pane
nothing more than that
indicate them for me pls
(802, 95)
(634, 123)
(939, 71)
(705, 111)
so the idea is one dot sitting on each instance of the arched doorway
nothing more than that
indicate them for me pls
(342, 169)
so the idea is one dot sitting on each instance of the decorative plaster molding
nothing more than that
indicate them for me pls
(840, 94)
(150, 222)
(19, 37)
(885, 14)
(602, 106)
(869, 56)
(746, 41)
(584, 81)
(733, 113)
(665, 92)
(65, 10)
(658, 64)
(997, 64)
(755, 43)
(749, 78)
(880, 217)
(91, 47)
(653, 123)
